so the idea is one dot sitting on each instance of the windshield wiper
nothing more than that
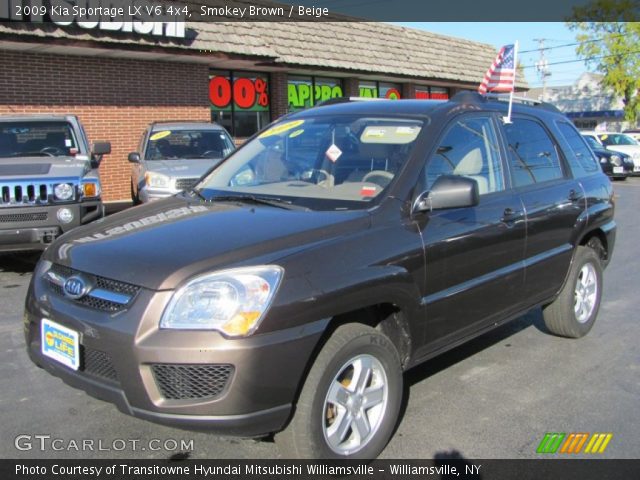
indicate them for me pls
(272, 201)
(197, 192)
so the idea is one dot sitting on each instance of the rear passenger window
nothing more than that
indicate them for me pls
(532, 154)
(469, 149)
(580, 158)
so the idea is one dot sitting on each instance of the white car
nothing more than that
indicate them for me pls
(619, 142)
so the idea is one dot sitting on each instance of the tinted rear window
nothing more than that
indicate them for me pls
(580, 157)
(532, 153)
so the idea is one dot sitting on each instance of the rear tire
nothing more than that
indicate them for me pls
(350, 401)
(573, 313)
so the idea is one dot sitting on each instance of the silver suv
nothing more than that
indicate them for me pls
(173, 156)
(49, 180)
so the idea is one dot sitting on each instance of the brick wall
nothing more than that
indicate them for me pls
(115, 99)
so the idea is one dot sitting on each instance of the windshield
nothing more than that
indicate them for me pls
(593, 143)
(320, 163)
(617, 139)
(186, 144)
(40, 139)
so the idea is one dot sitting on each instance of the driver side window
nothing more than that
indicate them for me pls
(469, 149)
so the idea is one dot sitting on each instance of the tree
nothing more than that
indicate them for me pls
(613, 47)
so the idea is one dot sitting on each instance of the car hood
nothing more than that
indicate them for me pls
(159, 245)
(191, 168)
(632, 150)
(21, 168)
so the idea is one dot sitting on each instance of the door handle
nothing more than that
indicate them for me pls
(574, 196)
(509, 215)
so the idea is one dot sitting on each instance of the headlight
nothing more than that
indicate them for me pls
(230, 301)
(63, 191)
(603, 160)
(91, 188)
(156, 180)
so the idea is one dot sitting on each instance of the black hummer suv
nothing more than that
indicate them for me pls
(48, 179)
(292, 287)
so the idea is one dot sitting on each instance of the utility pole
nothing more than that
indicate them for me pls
(542, 67)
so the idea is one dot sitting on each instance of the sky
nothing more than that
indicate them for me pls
(555, 35)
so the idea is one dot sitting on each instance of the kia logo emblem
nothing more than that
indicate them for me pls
(75, 287)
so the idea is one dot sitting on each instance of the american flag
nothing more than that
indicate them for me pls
(502, 73)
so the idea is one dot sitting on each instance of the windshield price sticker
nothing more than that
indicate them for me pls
(278, 129)
(333, 153)
(159, 135)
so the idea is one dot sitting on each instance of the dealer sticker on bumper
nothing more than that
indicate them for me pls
(60, 343)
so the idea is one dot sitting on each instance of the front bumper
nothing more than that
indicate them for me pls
(35, 227)
(146, 194)
(256, 399)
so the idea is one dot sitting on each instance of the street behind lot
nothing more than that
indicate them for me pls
(494, 397)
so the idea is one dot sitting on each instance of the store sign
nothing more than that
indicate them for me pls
(372, 92)
(143, 17)
(246, 93)
(300, 94)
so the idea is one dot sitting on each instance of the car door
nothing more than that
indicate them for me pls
(553, 203)
(473, 255)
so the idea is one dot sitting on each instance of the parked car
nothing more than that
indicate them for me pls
(173, 156)
(616, 165)
(619, 142)
(634, 133)
(49, 181)
(341, 246)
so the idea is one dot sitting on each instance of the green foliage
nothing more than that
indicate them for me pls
(612, 47)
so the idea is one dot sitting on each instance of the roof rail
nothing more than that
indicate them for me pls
(469, 96)
(334, 101)
(181, 121)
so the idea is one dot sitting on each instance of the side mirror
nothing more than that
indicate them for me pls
(101, 148)
(134, 157)
(448, 191)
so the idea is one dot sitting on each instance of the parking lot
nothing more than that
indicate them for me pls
(495, 397)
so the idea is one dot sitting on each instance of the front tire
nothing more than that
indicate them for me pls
(349, 404)
(574, 312)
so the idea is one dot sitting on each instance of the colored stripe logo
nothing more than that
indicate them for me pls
(554, 442)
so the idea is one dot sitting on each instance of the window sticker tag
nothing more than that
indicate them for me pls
(374, 132)
(407, 130)
(159, 135)
(333, 153)
(368, 191)
(283, 127)
(67, 142)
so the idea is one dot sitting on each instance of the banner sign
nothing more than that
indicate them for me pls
(300, 94)
(245, 93)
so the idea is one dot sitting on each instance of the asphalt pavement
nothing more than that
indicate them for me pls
(494, 397)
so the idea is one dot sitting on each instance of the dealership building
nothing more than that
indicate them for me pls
(242, 75)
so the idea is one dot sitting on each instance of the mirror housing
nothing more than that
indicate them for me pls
(134, 157)
(448, 191)
(99, 149)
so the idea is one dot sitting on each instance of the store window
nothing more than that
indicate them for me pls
(432, 93)
(305, 92)
(240, 101)
(392, 91)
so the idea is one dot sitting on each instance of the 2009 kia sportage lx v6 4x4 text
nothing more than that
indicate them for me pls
(289, 290)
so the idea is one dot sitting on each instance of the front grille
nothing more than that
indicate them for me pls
(101, 283)
(24, 217)
(181, 382)
(186, 183)
(98, 364)
(29, 193)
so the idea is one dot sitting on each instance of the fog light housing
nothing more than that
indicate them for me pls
(65, 215)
